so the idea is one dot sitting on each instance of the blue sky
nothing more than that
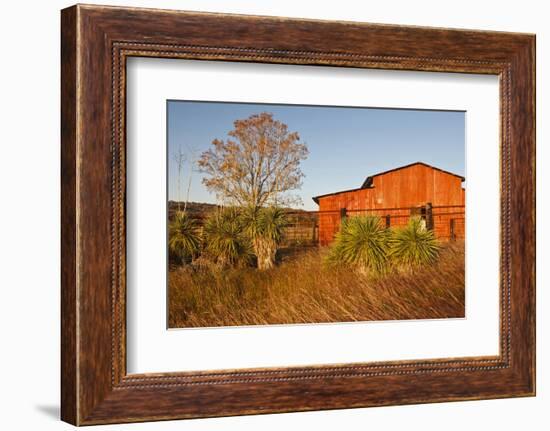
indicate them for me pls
(346, 144)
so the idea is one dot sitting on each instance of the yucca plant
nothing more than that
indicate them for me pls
(362, 242)
(265, 227)
(414, 245)
(183, 238)
(225, 240)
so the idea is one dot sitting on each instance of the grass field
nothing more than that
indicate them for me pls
(302, 289)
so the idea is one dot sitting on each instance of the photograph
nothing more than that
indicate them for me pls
(283, 214)
(274, 215)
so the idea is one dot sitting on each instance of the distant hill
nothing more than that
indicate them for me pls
(195, 209)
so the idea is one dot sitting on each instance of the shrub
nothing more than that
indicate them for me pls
(225, 240)
(414, 245)
(362, 242)
(183, 238)
(265, 227)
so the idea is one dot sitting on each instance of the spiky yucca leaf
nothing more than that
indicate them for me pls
(225, 240)
(265, 227)
(272, 223)
(362, 242)
(183, 237)
(414, 245)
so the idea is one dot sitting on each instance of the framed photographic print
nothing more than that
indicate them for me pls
(264, 214)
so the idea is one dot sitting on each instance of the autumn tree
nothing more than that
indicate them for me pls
(258, 165)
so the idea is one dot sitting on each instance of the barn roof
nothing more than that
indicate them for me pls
(369, 180)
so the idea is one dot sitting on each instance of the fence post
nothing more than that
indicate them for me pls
(429, 216)
(452, 229)
(343, 213)
(388, 221)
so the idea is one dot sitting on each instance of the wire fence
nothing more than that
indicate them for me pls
(314, 228)
(311, 228)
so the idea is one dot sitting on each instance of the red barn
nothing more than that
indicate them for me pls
(395, 195)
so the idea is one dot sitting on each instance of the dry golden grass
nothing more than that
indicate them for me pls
(304, 290)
